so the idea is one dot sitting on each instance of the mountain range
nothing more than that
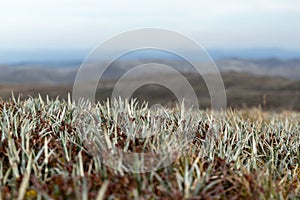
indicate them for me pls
(65, 73)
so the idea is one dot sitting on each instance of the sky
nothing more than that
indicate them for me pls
(83, 24)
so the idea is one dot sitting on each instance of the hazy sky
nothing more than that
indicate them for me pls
(76, 24)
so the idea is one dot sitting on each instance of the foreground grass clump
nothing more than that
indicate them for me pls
(247, 154)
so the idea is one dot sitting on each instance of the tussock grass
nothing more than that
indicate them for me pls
(247, 154)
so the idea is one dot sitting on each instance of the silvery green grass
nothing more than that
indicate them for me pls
(246, 154)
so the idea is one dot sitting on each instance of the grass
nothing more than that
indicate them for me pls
(247, 154)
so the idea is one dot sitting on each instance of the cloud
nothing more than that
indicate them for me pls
(40, 23)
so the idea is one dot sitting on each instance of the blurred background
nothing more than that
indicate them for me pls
(255, 45)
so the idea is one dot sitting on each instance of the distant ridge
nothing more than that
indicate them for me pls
(255, 53)
(41, 56)
(65, 73)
